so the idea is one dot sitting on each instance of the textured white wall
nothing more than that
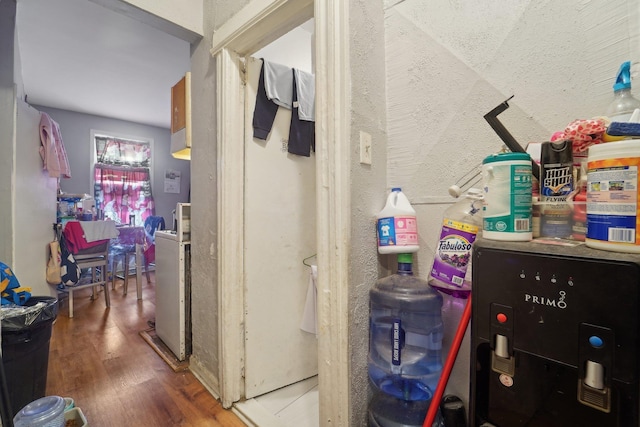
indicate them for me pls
(368, 114)
(450, 62)
(204, 257)
(185, 13)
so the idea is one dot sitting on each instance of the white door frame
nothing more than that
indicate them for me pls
(256, 25)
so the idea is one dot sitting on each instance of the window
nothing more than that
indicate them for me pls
(122, 178)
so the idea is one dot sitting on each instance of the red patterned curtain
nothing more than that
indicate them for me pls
(122, 180)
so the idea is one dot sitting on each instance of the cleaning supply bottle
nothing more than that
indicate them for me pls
(624, 104)
(405, 334)
(397, 225)
(451, 272)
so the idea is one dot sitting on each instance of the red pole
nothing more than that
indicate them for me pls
(448, 365)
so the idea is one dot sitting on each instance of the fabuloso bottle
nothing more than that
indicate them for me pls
(397, 225)
(451, 272)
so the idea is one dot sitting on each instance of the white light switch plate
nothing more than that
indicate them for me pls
(365, 148)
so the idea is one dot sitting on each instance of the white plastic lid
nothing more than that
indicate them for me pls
(41, 412)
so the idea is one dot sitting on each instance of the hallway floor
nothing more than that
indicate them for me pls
(100, 360)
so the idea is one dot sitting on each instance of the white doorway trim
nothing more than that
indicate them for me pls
(255, 26)
(333, 180)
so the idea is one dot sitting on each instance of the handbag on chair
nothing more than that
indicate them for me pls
(69, 270)
(53, 266)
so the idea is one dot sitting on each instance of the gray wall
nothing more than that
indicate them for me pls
(7, 123)
(204, 215)
(76, 134)
(368, 187)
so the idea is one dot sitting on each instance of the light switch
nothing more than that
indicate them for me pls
(365, 148)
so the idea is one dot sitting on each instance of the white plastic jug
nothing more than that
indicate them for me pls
(397, 226)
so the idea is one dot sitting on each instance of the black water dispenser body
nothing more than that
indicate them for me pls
(555, 337)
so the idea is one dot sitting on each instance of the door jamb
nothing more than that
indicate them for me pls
(256, 25)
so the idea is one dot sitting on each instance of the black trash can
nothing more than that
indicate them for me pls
(25, 350)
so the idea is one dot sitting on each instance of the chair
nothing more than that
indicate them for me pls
(130, 241)
(151, 225)
(93, 256)
(98, 263)
(118, 252)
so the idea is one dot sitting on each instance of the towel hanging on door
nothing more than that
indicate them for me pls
(302, 133)
(305, 91)
(278, 83)
(309, 321)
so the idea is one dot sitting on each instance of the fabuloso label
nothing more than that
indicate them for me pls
(397, 231)
(454, 252)
(612, 200)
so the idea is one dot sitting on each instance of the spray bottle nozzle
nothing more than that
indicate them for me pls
(623, 79)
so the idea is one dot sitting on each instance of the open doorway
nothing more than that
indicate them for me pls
(280, 227)
(257, 25)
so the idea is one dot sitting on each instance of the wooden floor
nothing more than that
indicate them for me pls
(100, 360)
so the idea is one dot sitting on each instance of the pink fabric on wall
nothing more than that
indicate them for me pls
(52, 148)
(123, 192)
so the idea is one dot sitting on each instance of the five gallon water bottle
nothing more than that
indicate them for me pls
(397, 225)
(405, 341)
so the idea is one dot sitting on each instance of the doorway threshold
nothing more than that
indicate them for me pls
(296, 405)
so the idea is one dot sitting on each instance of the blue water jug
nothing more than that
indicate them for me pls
(405, 334)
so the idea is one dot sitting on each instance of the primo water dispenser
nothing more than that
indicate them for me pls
(555, 336)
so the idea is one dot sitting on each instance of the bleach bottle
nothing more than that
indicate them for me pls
(397, 226)
(451, 272)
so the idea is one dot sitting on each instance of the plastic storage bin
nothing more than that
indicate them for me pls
(44, 412)
(26, 333)
(75, 415)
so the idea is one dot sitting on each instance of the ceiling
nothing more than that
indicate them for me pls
(79, 56)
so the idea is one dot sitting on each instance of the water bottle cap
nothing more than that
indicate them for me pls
(394, 189)
(623, 79)
(405, 258)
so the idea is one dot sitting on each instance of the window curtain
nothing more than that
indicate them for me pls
(122, 180)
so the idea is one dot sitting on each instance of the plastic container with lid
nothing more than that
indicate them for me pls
(451, 272)
(405, 336)
(47, 411)
(507, 185)
(624, 103)
(613, 196)
(397, 226)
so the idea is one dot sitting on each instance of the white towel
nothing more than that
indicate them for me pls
(306, 91)
(278, 83)
(309, 316)
(99, 230)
